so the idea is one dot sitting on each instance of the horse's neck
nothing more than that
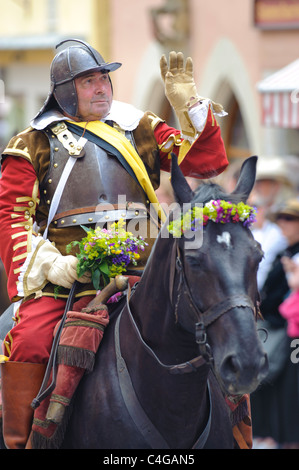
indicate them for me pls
(150, 319)
(152, 311)
(151, 303)
(166, 398)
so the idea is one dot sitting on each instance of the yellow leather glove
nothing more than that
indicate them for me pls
(180, 89)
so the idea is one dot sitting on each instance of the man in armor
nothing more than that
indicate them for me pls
(82, 151)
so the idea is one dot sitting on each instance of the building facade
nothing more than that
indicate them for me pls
(234, 44)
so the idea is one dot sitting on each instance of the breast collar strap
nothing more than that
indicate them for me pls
(152, 436)
(183, 368)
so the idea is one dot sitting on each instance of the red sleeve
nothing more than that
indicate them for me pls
(19, 196)
(163, 133)
(207, 156)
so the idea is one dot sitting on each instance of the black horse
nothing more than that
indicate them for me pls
(183, 339)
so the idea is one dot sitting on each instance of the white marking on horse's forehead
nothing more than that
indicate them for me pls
(224, 238)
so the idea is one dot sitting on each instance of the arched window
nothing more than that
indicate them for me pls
(234, 133)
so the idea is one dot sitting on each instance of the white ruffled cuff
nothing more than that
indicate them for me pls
(198, 114)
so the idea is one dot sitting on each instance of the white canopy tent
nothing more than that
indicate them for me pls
(280, 97)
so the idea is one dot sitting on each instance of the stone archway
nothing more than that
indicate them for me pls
(225, 78)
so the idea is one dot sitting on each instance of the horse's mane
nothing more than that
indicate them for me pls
(208, 190)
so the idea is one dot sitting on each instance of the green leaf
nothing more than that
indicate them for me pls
(81, 269)
(96, 275)
(71, 245)
(106, 279)
(104, 268)
(87, 229)
(56, 291)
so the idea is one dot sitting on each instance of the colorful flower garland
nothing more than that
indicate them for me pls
(219, 211)
(106, 253)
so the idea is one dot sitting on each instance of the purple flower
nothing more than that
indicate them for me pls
(118, 259)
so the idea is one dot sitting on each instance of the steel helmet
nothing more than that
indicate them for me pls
(70, 63)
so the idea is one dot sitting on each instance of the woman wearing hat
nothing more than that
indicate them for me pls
(275, 405)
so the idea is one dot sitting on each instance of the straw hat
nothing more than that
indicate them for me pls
(290, 207)
(273, 168)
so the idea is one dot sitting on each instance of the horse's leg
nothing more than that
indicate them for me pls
(2, 445)
(6, 322)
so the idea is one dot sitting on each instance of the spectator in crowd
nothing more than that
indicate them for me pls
(275, 405)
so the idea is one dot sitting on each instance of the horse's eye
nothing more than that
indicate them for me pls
(193, 261)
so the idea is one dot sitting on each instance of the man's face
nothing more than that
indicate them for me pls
(290, 228)
(94, 96)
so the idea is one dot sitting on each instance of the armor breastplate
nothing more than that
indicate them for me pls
(98, 189)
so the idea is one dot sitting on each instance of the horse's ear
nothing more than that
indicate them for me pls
(246, 179)
(182, 191)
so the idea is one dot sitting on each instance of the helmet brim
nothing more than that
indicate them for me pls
(108, 67)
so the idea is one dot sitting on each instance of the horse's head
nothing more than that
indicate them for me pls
(218, 296)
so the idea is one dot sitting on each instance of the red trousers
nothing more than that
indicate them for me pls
(30, 340)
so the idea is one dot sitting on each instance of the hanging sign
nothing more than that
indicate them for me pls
(276, 14)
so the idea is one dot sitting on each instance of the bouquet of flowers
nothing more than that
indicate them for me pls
(107, 253)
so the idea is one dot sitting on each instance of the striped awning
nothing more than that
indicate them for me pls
(280, 97)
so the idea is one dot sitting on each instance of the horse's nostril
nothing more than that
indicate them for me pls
(235, 366)
(230, 365)
(264, 367)
(238, 375)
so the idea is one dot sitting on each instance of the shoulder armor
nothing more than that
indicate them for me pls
(17, 147)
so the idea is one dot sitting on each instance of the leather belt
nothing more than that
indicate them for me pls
(100, 217)
(92, 215)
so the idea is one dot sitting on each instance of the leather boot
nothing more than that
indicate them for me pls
(20, 382)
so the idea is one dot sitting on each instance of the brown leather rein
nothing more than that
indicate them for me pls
(206, 318)
(203, 319)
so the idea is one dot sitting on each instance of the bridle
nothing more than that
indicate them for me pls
(202, 319)
(206, 318)
(183, 368)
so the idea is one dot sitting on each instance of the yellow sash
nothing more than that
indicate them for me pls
(124, 146)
